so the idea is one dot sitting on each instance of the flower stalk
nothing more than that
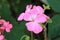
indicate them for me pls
(32, 37)
(45, 34)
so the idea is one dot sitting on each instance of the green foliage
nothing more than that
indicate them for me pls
(26, 37)
(19, 28)
(19, 5)
(44, 1)
(55, 4)
(54, 28)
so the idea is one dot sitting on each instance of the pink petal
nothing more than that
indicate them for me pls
(33, 26)
(40, 10)
(27, 16)
(37, 10)
(28, 8)
(7, 30)
(41, 18)
(34, 10)
(7, 26)
(20, 17)
(1, 37)
(2, 21)
(2, 27)
(10, 26)
(47, 17)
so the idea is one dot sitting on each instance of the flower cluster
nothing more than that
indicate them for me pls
(34, 15)
(4, 25)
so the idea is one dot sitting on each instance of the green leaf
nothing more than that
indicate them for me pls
(55, 4)
(54, 28)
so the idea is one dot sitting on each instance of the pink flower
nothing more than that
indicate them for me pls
(34, 15)
(34, 27)
(5, 25)
(31, 10)
(8, 26)
(1, 37)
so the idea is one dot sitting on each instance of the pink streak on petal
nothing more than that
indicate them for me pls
(33, 26)
(20, 17)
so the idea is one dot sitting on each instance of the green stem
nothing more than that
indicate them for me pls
(45, 34)
(32, 38)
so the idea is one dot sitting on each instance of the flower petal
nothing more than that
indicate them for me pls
(20, 17)
(27, 16)
(33, 26)
(7, 30)
(1, 37)
(28, 8)
(41, 18)
(40, 10)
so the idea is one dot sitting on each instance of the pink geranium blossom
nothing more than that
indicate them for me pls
(31, 10)
(34, 15)
(4, 25)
